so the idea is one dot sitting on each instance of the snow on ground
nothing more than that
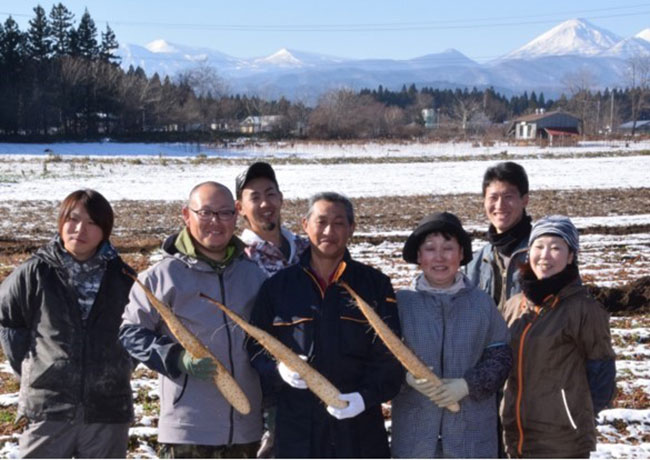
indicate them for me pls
(623, 432)
(600, 255)
(318, 150)
(154, 180)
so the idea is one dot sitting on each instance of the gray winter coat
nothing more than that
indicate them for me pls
(481, 270)
(193, 411)
(450, 333)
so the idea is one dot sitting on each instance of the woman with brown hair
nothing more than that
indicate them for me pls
(60, 312)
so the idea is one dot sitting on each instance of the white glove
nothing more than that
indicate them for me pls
(292, 378)
(424, 386)
(355, 406)
(451, 391)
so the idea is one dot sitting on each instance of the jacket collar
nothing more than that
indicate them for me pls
(171, 250)
(251, 238)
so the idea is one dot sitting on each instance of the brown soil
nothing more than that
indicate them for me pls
(631, 298)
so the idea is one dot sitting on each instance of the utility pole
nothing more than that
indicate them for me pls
(611, 114)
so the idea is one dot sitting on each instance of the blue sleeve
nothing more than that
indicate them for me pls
(156, 351)
(490, 373)
(601, 375)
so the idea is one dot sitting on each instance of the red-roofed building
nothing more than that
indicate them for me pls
(556, 128)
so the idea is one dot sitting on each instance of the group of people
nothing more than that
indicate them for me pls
(73, 326)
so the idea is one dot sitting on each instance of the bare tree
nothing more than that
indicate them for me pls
(637, 76)
(204, 81)
(464, 109)
(346, 114)
(579, 84)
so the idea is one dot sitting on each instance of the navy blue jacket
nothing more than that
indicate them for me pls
(331, 331)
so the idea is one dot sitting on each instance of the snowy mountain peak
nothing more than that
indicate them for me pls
(160, 46)
(283, 58)
(644, 35)
(575, 37)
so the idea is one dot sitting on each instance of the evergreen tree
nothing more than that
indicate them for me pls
(39, 41)
(109, 44)
(60, 24)
(87, 37)
(73, 43)
(12, 46)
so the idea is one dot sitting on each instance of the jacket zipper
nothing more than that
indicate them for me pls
(520, 361)
(74, 299)
(232, 364)
(520, 379)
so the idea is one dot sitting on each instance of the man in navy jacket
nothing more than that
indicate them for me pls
(308, 311)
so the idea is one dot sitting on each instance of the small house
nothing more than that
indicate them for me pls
(642, 127)
(556, 128)
(260, 124)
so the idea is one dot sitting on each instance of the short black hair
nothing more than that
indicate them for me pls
(509, 172)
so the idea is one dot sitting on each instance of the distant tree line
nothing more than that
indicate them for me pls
(63, 79)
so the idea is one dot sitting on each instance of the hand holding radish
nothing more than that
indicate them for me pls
(292, 378)
(355, 407)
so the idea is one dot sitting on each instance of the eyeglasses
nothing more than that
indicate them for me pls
(207, 215)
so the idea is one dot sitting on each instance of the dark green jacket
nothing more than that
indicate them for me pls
(63, 362)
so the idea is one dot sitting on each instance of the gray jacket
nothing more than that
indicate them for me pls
(193, 411)
(450, 333)
(481, 270)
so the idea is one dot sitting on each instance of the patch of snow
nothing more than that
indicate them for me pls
(9, 450)
(8, 399)
(627, 415)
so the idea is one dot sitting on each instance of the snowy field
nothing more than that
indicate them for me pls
(319, 150)
(138, 172)
(30, 178)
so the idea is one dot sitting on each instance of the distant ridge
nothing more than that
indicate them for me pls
(541, 65)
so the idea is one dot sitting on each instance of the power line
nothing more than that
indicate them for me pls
(495, 21)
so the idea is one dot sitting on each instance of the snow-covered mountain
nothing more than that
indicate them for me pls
(541, 65)
(644, 34)
(296, 59)
(575, 36)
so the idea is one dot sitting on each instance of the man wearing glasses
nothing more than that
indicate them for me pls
(204, 257)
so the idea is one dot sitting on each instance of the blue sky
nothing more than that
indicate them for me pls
(397, 29)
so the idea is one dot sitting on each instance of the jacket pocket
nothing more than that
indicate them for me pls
(356, 336)
(567, 410)
(56, 375)
(296, 333)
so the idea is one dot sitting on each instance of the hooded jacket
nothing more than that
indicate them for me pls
(327, 327)
(547, 409)
(193, 411)
(64, 362)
